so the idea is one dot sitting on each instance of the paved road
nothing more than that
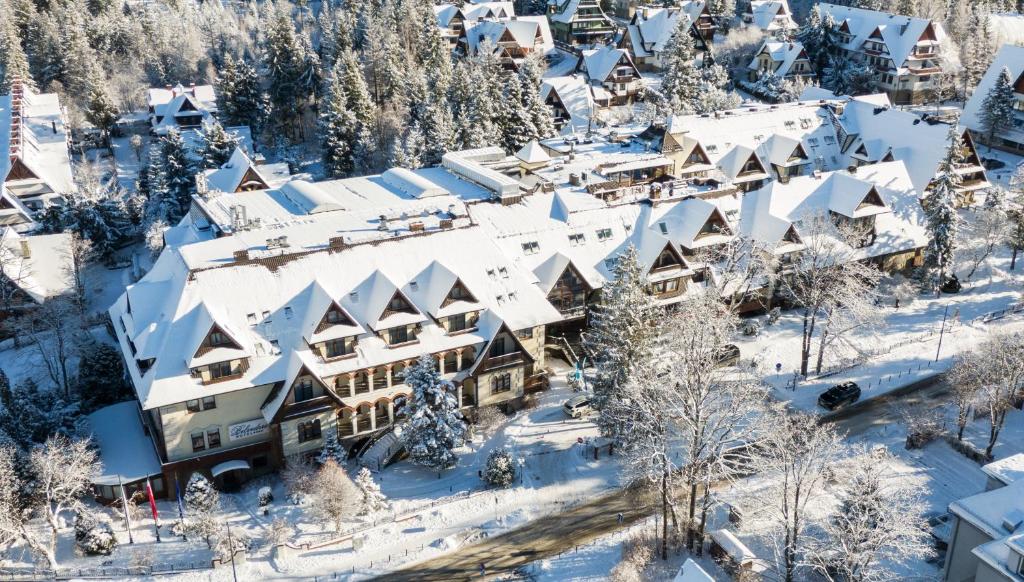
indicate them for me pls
(561, 532)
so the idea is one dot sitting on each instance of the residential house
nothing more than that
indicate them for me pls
(571, 101)
(614, 78)
(986, 540)
(771, 16)
(1010, 137)
(34, 269)
(904, 52)
(787, 60)
(35, 162)
(579, 22)
(181, 107)
(650, 30)
(452, 18)
(511, 39)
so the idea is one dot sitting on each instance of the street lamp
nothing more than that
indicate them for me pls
(522, 465)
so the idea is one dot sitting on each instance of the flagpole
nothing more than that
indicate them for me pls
(181, 507)
(152, 507)
(124, 505)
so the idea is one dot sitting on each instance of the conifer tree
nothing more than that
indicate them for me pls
(13, 61)
(350, 75)
(438, 133)
(516, 121)
(997, 108)
(530, 75)
(218, 146)
(373, 500)
(435, 426)
(940, 209)
(819, 36)
(680, 86)
(177, 175)
(285, 60)
(240, 98)
(101, 111)
(338, 127)
(623, 332)
(408, 151)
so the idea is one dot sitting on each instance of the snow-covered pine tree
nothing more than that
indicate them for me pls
(531, 73)
(623, 331)
(435, 427)
(384, 54)
(438, 132)
(13, 61)
(338, 127)
(284, 60)
(218, 145)
(516, 121)
(350, 74)
(714, 94)
(940, 209)
(819, 36)
(473, 111)
(101, 376)
(500, 469)
(202, 504)
(178, 175)
(373, 500)
(240, 97)
(997, 108)
(908, 7)
(435, 58)
(681, 84)
(100, 109)
(407, 152)
(976, 48)
(332, 449)
(844, 76)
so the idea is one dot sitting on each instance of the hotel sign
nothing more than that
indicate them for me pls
(247, 429)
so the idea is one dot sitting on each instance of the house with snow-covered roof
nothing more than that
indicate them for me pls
(613, 77)
(904, 52)
(579, 22)
(511, 39)
(452, 18)
(241, 174)
(986, 537)
(771, 16)
(1011, 137)
(34, 268)
(650, 30)
(180, 107)
(787, 60)
(571, 101)
(35, 162)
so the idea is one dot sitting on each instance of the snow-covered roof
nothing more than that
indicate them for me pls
(1009, 57)
(575, 94)
(651, 28)
(599, 63)
(784, 53)
(533, 153)
(45, 271)
(270, 310)
(169, 104)
(528, 32)
(126, 452)
(240, 173)
(1007, 470)
(899, 33)
(1007, 28)
(992, 511)
(34, 142)
(692, 572)
(771, 15)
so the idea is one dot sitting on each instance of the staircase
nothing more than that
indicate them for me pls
(382, 450)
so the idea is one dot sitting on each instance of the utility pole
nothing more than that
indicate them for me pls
(942, 330)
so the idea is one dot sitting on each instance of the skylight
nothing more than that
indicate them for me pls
(663, 227)
(531, 247)
(576, 239)
(604, 234)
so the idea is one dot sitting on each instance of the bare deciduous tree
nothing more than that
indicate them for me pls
(53, 328)
(739, 269)
(336, 494)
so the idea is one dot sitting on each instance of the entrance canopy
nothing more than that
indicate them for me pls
(229, 466)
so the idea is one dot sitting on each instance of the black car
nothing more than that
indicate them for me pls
(840, 395)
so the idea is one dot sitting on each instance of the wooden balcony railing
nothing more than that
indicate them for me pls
(495, 362)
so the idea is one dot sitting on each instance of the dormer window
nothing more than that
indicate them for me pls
(304, 390)
(576, 239)
(401, 335)
(531, 248)
(218, 339)
(333, 317)
(604, 234)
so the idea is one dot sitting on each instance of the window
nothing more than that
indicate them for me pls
(576, 239)
(663, 227)
(399, 335)
(304, 390)
(287, 312)
(501, 383)
(336, 348)
(333, 316)
(209, 402)
(213, 438)
(525, 333)
(531, 248)
(813, 141)
(830, 140)
(198, 442)
(308, 430)
(192, 406)
(604, 234)
(218, 339)
(266, 315)
(220, 370)
(457, 322)
(275, 347)
(251, 318)
(503, 272)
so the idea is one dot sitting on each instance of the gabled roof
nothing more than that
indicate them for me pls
(551, 270)
(763, 14)
(784, 53)
(1010, 57)
(300, 362)
(432, 288)
(854, 198)
(733, 162)
(45, 273)
(315, 328)
(239, 174)
(899, 33)
(205, 322)
(369, 303)
(600, 62)
(576, 97)
(33, 138)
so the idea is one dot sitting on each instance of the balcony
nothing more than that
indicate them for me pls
(503, 361)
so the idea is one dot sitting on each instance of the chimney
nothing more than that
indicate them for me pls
(852, 169)
(416, 226)
(241, 256)
(383, 223)
(26, 251)
(446, 223)
(336, 243)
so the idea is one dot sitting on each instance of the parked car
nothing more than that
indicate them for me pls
(729, 355)
(577, 406)
(840, 395)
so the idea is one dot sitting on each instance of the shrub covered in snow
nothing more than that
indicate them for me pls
(637, 554)
(500, 469)
(774, 315)
(751, 328)
(298, 477)
(265, 496)
(93, 535)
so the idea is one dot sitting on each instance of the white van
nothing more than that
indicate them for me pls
(577, 406)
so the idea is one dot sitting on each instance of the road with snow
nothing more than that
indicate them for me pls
(564, 531)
